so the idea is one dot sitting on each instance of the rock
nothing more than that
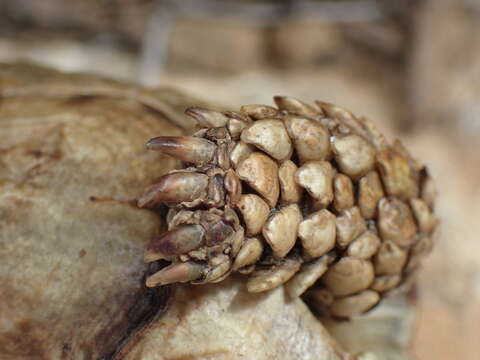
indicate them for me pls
(223, 321)
(72, 163)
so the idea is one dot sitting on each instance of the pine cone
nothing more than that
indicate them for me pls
(312, 197)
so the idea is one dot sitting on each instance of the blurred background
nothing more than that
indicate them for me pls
(411, 66)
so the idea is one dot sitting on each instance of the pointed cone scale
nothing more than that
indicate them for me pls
(179, 241)
(185, 148)
(295, 106)
(177, 272)
(207, 118)
(249, 253)
(175, 187)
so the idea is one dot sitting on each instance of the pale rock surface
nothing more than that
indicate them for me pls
(72, 240)
(223, 321)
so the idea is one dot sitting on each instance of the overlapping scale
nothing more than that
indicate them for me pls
(313, 197)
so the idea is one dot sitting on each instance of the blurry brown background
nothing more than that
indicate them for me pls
(411, 66)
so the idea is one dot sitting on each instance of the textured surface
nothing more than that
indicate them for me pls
(71, 237)
(223, 321)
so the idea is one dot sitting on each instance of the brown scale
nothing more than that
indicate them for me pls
(310, 197)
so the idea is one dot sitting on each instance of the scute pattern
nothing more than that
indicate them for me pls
(312, 196)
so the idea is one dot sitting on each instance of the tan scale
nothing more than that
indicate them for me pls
(348, 276)
(254, 211)
(364, 246)
(398, 176)
(263, 280)
(317, 178)
(308, 275)
(261, 173)
(395, 222)
(291, 192)
(240, 152)
(421, 248)
(270, 136)
(425, 220)
(249, 253)
(354, 305)
(281, 229)
(343, 198)
(259, 112)
(390, 259)
(350, 224)
(311, 138)
(354, 155)
(318, 233)
(370, 191)
(385, 283)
